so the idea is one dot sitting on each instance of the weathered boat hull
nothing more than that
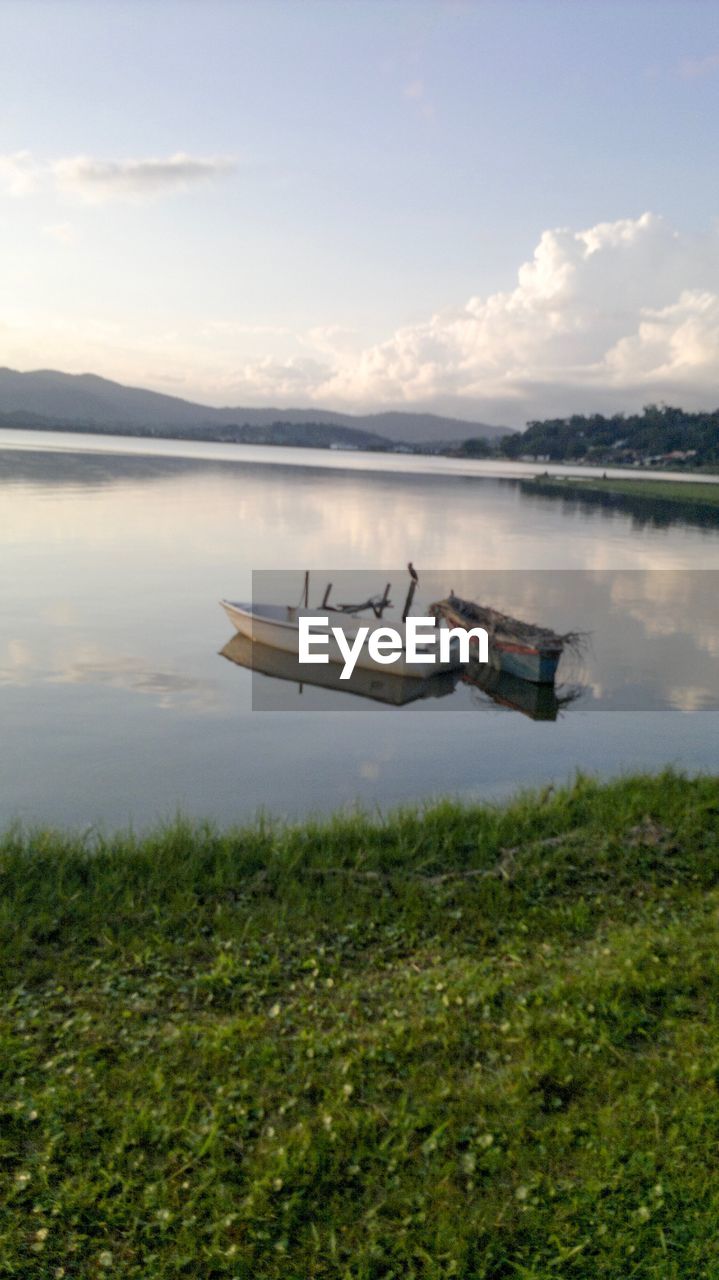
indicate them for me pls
(530, 653)
(538, 666)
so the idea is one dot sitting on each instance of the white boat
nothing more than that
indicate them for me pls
(278, 626)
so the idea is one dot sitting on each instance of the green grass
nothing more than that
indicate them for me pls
(698, 493)
(472, 1042)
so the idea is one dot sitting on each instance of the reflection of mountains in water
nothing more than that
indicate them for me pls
(364, 683)
(539, 702)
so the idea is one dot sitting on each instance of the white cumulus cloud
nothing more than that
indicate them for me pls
(603, 318)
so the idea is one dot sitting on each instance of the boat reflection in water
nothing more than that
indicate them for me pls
(364, 682)
(538, 701)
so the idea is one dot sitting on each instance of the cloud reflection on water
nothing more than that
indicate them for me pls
(110, 574)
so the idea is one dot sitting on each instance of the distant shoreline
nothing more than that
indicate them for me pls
(702, 493)
(414, 464)
(383, 447)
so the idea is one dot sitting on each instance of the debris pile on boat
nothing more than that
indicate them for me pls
(523, 649)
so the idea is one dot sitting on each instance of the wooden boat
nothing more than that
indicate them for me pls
(519, 648)
(278, 627)
(376, 685)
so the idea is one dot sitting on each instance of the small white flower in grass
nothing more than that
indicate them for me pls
(521, 1193)
(327, 1121)
(105, 1258)
(274, 1011)
(163, 1215)
(42, 1234)
(33, 1115)
(59, 1273)
(22, 1178)
(348, 1090)
(278, 1184)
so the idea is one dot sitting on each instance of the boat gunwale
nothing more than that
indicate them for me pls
(529, 638)
(246, 610)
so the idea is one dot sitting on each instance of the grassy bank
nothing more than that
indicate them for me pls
(472, 1043)
(700, 494)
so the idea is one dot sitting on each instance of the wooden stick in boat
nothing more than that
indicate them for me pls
(410, 594)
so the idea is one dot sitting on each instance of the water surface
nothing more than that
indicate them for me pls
(117, 707)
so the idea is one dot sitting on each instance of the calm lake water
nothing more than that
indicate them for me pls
(117, 705)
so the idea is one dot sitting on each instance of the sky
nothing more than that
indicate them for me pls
(502, 211)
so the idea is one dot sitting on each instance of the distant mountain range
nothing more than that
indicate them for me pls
(47, 399)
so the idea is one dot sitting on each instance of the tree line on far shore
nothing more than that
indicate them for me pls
(657, 433)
